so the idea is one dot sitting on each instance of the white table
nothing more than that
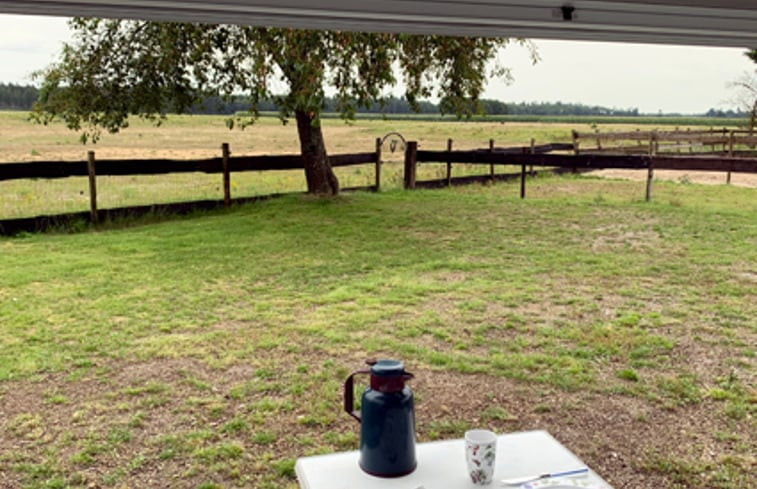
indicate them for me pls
(441, 465)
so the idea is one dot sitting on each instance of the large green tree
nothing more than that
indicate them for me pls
(114, 69)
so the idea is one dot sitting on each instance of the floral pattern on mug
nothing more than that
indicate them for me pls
(480, 456)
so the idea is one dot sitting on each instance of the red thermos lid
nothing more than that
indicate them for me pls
(389, 376)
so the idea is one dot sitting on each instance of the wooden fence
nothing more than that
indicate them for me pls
(558, 158)
(530, 157)
(225, 165)
(725, 142)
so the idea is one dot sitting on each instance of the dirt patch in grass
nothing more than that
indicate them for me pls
(181, 423)
(748, 180)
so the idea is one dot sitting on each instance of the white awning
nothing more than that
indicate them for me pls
(697, 22)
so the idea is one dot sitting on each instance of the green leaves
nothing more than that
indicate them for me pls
(114, 69)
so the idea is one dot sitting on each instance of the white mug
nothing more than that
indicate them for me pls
(480, 453)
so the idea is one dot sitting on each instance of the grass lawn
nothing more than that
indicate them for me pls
(209, 351)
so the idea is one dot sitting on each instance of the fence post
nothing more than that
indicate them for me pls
(491, 165)
(654, 143)
(449, 163)
(730, 155)
(92, 187)
(575, 147)
(411, 154)
(691, 149)
(533, 152)
(712, 145)
(678, 144)
(226, 176)
(378, 164)
(650, 169)
(523, 181)
(575, 142)
(725, 131)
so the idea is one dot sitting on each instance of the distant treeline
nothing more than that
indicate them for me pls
(392, 105)
(729, 114)
(559, 108)
(18, 97)
(395, 105)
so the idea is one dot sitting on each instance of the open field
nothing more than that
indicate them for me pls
(188, 137)
(209, 351)
(645, 120)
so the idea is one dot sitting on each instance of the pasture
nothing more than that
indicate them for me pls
(193, 137)
(209, 351)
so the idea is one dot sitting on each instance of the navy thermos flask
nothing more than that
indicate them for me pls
(387, 419)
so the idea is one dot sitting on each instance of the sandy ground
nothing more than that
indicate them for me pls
(708, 178)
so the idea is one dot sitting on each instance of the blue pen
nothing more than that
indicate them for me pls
(522, 480)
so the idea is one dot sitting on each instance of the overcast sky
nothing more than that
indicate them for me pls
(651, 78)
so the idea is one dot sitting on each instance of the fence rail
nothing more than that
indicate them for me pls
(226, 164)
(729, 141)
(705, 136)
(60, 169)
(594, 161)
(576, 162)
(566, 159)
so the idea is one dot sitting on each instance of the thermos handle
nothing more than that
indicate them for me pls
(349, 394)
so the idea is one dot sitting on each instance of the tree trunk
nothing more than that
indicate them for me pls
(318, 173)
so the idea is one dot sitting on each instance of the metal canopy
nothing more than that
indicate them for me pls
(697, 22)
